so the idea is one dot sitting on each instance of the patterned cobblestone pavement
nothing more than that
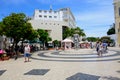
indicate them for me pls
(83, 64)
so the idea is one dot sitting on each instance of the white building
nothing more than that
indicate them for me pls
(53, 21)
(117, 20)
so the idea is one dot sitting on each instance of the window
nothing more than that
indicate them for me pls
(45, 16)
(50, 11)
(45, 11)
(55, 11)
(40, 11)
(55, 16)
(50, 16)
(40, 15)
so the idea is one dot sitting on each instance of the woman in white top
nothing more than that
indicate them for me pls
(100, 51)
(27, 52)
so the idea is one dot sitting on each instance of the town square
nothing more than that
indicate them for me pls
(60, 40)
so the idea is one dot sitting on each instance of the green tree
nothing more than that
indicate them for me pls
(56, 43)
(43, 36)
(105, 39)
(93, 39)
(78, 31)
(66, 32)
(28, 32)
(16, 26)
(69, 32)
(111, 31)
(1, 30)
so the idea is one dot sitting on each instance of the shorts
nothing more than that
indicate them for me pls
(26, 55)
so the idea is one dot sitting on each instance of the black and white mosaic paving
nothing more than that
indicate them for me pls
(109, 78)
(77, 57)
(118, 71)
(37, 72)
(82, 76)
(1, 72)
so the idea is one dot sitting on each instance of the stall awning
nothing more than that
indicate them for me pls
(67, 40)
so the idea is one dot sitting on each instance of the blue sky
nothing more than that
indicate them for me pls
(93, 16)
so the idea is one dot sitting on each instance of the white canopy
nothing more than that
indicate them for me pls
(81, 42)
(67, 40)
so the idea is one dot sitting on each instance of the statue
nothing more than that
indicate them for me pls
(76, 41)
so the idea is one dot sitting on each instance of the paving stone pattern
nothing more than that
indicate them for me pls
(1, 72)
(37, 72)
(109, 78)
(82, 76)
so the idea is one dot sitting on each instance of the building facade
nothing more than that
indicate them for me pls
(117, 20)
(53, 22)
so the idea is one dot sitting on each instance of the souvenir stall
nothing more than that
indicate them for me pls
(67, 44)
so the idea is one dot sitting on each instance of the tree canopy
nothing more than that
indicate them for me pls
(69, 32)
(43, 36)
(78, 31)
(16, 26)
(106, 39)
(111, 31)
(56, 43)
(66, 32)
(93, 39)
(1, 30)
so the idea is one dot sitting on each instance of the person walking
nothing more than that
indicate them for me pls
(100, 51)
(16, 51)
(26, 53)
(104, 47)
(97, 46)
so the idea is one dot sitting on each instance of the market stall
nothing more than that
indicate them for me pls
(3, 55)
(67, 43)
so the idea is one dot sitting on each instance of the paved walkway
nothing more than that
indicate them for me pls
(81, 64)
